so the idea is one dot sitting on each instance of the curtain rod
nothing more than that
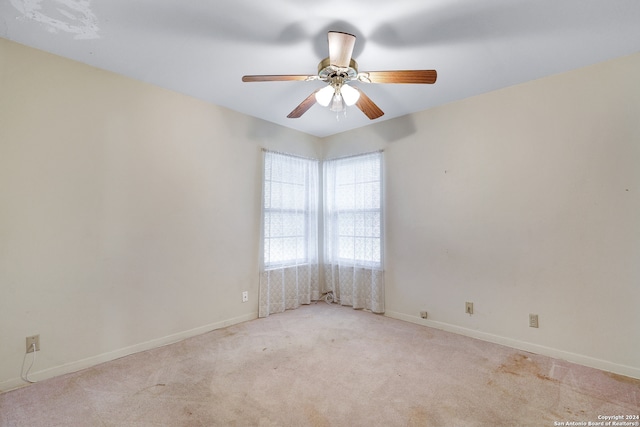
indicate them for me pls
(318, 160)
(355, 155)
(289, 154)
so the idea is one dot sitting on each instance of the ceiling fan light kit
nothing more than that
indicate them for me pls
(349, 94)
(339, 69)
(324, 96)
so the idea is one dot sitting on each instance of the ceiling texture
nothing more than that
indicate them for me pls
(202, 48)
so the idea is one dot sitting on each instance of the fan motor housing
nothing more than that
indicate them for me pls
(326, 71)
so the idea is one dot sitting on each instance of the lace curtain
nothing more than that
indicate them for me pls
(289, 271)
(353, 268)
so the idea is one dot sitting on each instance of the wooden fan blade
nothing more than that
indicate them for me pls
(304, 106)
(277, 78)
(402, 76)
(340, 48)
(368, 107)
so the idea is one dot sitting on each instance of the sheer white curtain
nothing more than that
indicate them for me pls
(353, 268)
(289, 274)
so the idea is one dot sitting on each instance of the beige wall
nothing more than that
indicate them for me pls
(524, 200)
(129, 214)
(117, 232)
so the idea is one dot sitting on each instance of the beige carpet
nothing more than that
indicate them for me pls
(325, 365)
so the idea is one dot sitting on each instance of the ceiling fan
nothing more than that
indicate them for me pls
(339, 69)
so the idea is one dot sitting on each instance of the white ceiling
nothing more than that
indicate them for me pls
(202, 48)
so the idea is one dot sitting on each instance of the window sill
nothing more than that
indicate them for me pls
(285, 266)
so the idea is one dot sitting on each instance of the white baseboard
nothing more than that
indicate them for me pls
(159, 342)
(116, 354)
(591, 362)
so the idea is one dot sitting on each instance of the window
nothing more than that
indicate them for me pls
(353, 210)
(352, 268)
(290, 217)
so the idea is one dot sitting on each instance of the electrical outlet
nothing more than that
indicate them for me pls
(533, 320)
(245, 296)
(34, 339)
(423, 314)
(468, 307)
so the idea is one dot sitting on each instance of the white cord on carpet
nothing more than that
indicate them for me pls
(26, 376)
(327, 297)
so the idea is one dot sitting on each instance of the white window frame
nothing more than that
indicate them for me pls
(306, 248)
(336, 214)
